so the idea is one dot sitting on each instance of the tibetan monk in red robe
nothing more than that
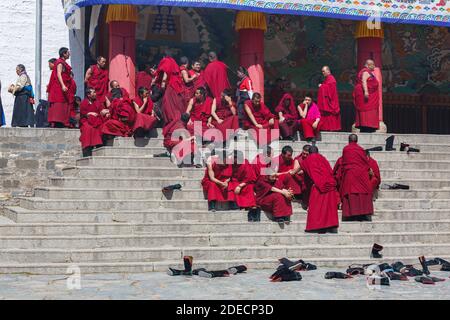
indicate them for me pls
(97, 77)
(356, 189)
(323, 205)
(122, 118)
(286, 167)
(263, 125)
(310, 118)
(328, 103)
(215, 182)
(144, 78)
(223, 117)
(304, 181)
(242, 182)
(374, 172)
(92, 115)
(115, 85)
(145, 116)
(274, 196)
(366, 98)
(337, 174)
(189, 79)
(262, 162)
(289, 118)
(62, 90)
(180, 143)
(168, 77)
(200, 110)
(216, 76)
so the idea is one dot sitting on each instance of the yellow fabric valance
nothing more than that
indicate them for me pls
(122, 12)
(362, 31)
(251, 20)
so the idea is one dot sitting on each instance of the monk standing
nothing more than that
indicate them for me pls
(322, 210)
(328, 103)
(356, 189)
(262, 122)
(92, 115)
(62, 90)
(310, 118)
(288, 117)
(97, 77)
(216, 76)
(366, 98)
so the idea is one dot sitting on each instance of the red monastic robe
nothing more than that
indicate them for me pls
(356, 189)
(273, 202)
(200, 112)
(213, 191)
(143, 80)
(180, 147)
(307, 123)
(243, 173)
(61, 102)
(322, 209)
(216, 78)
(262, 116)
(173, 103)
(375, 181)
(366, 110)
(260, 163)
(337, 174)
(230, 121)
(90, 126)
(293, 181)
(99, 80)
(144, 120)
(120, 108)
(328, 102)
(304, 181)
(289, 127)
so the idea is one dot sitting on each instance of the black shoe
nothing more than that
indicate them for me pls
(375, 254)
(162, 155)
(237, 269)
(384, 266)
(177, 272)
(214, 274)
(290, 276)
(280, 222)
(355, 270)
(424, 265)
(410, 271)
(337, 275)
(390, 143)
(188, 263)
(172, 187)
(398, 266)
(234, 206)
(396, 276)
(212, 206)
(291, 265)
(196, 271)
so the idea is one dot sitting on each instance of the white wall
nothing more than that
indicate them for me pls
(17, 38)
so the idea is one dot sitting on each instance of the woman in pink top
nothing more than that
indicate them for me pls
(310, 118)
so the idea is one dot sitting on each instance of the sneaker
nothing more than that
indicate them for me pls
(214, 274)
(176, 272)
(237, 269)
(291, 276)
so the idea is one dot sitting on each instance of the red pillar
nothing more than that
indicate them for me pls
(251, 27)
(122, 21)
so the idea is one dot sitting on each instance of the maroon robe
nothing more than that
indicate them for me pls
(273, 202)
(328, 102)
(61, 102)
(366, 110)
(173, 103)
(230, 121)
(143, 80)
(200, 112)
(284, 166)
(322, 209)
(375, 181)
(304, 181)
(90, 126)
(213, 191)
(260, 163)
(99, 81)
(289, 127)
(216, 78)
(178, 146)
(356, 189)
(337, 173)
(120, 108)
(144, 120)
(262, 116)
(243, 173)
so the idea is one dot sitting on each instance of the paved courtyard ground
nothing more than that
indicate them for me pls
(252, 285)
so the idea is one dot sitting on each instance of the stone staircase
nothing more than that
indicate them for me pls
(107, 214)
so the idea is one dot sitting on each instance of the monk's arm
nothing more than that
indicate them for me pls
(60, 79)
(280, 115)
(186, 77)
(302, 112)
(213, 111)
(233, 108)
(251, 116)
(88, 75)
(211, 175)
(164, 81)
(365, 76)
(190, 105)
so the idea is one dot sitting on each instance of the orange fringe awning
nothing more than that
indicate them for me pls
(122, 12)
(362, 31)
(251, 20)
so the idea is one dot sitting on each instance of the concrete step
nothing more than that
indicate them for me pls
(144, 183)
(329, 154)
(135, 161)
(137, 204)
(22, 215)
(198, 173)
(161, 254)
(196, 193)
(188, 227)
(215, 240)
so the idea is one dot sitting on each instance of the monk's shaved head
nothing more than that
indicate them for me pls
(369, 62)
(212, 56)
(306, 147)
(313, 149)
(353, 138)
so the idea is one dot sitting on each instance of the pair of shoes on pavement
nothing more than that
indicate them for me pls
(202, 272)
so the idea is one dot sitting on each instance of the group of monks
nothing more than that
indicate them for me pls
(271, 184)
